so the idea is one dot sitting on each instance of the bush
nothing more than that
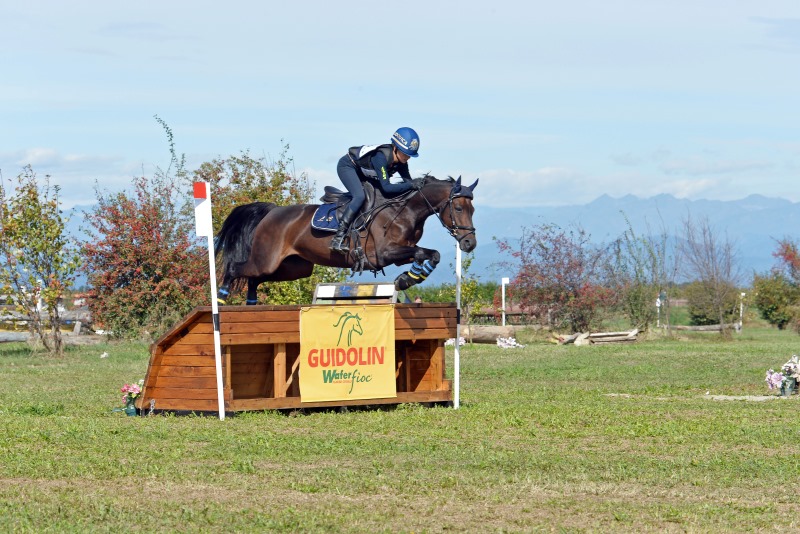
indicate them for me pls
(702, 305)
(775, 298)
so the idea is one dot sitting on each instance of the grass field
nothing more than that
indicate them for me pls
(620, 438)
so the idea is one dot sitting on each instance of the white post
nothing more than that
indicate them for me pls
(202, 212)
(658, 312)
(503, 284)
(457, 355)
(741, 311)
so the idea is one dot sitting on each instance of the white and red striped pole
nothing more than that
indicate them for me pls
(205, 228)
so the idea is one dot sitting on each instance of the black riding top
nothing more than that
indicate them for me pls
(372, 161)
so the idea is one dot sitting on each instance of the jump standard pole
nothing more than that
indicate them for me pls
(457, 354)
(205, 228)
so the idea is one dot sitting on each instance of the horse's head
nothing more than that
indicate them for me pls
(452, 203)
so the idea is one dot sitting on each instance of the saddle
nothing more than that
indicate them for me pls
(334, 201)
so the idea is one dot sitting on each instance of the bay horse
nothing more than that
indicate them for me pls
(263, 242)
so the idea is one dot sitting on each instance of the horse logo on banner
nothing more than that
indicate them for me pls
(351, 321)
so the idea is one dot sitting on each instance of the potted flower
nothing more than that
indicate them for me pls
(786, 379)
(130, 393)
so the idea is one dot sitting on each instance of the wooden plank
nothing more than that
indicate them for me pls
(262, 338)
(425, 334)
(226, 358)
(259, 327)
(191, 350)
(175, 370)
(294, 402)
(183, 393)
(191, 339)
(186, 382)
(187, 361)
(190, 405)
(423, 323)
(279, 370)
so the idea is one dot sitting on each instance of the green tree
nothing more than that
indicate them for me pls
(242, 179)
(776, 298)
(704, 307)
(639, 270)
(39, 263)
(710, 258)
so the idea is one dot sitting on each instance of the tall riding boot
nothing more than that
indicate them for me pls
(337, 243)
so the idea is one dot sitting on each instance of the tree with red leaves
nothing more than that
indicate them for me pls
(777, 293)
(789, 259)
(559, 276)
(144, 266)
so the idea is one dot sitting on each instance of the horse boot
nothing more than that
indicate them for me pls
(337, 243)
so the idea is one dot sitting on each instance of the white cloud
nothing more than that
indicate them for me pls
(697, 166)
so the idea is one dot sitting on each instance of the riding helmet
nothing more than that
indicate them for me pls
(407, 141)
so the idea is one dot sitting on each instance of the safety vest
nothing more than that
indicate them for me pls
(361, 157)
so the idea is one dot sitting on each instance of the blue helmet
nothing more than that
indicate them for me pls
(407, 141)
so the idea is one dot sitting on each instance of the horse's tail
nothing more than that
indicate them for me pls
(235, 238)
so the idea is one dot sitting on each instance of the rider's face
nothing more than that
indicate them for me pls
(399, 156)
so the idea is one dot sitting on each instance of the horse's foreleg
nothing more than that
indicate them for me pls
(425, 261)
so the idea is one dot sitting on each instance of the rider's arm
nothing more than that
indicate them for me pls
(380, 165)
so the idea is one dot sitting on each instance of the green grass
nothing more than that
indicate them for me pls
(601, 438)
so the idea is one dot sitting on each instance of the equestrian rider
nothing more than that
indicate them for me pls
(378, 163)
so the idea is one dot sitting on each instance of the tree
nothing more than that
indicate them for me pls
(704, 309)
(639, 270)
(777, 293)
(789, 259)
(242, 179)
(711, 259)
(143, 265)
(559, 276)
(39, 263)
(776, 297)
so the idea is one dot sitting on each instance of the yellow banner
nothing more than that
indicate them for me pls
(347, 352)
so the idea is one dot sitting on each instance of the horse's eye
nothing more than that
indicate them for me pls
(459, 208)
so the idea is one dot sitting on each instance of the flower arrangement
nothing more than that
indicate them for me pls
(508, 343)
(452, 341)
(130, 392)
(787, 377)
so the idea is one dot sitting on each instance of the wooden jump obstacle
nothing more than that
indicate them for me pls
(260, 357)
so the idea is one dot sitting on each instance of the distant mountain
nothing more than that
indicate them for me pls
(754, 223)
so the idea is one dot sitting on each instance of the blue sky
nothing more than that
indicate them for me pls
(548, 103)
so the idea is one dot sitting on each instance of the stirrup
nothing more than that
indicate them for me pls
(337, 244)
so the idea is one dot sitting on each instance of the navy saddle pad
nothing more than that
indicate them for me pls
(325, 218)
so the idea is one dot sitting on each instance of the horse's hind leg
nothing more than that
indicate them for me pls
(252, 291)
(224, 291)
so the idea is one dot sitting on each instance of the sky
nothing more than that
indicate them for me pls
(548, 103)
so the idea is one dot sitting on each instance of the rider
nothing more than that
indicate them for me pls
(377, 162)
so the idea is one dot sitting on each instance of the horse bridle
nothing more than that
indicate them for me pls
(452, 229)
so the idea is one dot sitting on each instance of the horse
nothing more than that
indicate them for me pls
(263, 242)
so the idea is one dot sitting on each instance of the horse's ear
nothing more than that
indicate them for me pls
(472, 187)
(458, 181)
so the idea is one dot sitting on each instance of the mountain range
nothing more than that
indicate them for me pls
(753, 224)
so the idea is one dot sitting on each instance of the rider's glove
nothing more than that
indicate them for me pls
(417, 183)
